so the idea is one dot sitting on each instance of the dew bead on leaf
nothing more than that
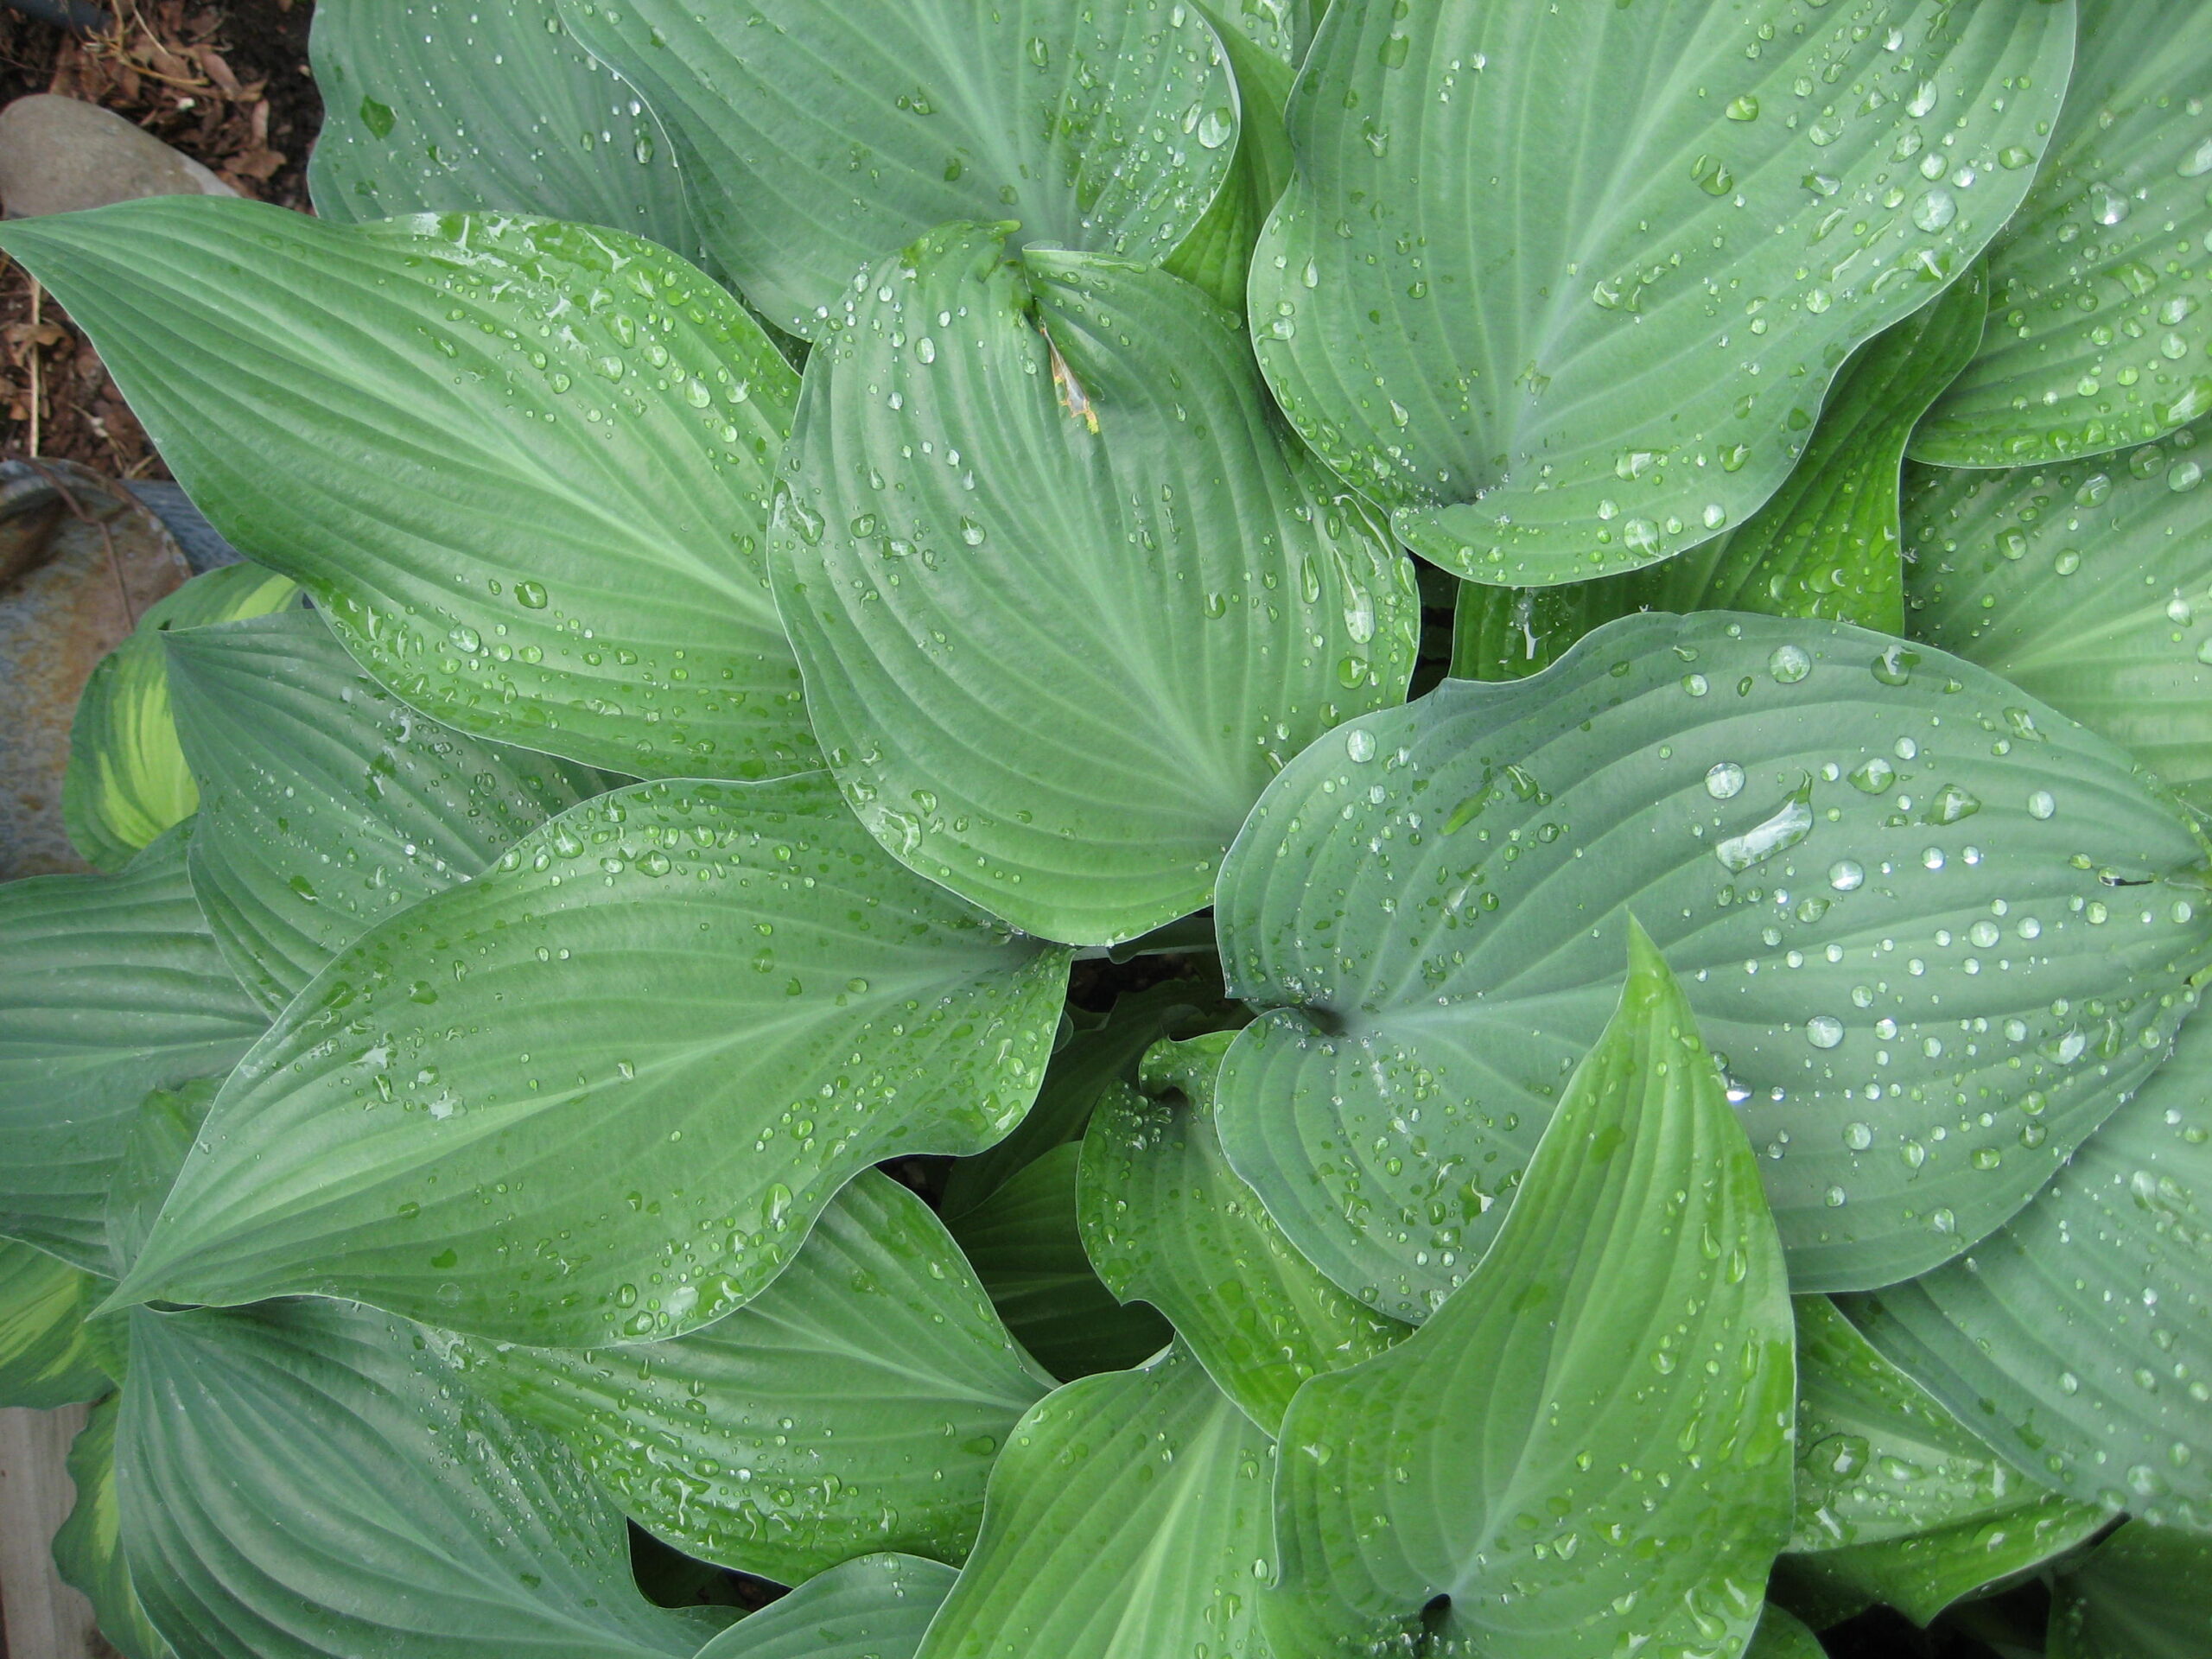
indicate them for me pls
(1140, 830)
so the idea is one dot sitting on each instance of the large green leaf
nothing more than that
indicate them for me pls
(436, 108)
(2145, 1594)
(1586, 1450)
(876, 1607)
(127, 780)
(109, 986)
(1263, 49)
(1167, 1222)
(2078, 1340)
(304, 1479)
(1781, 1636)
(1896, 1502)
(1103, 1049)
(2088, 584)
(853, 1405)
(328, 805)
(523, 466)
(1937, 930)
(1826, 543)
(818, 137)
(1563, 286)
(601, 1093)
(2097, 335)
(1026, 1243)
(1063, 594)
(1127, 1519)
(43, 1301)
(169, 1121)
(88, 1549)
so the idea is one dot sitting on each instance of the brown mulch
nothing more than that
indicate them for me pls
(227, 83)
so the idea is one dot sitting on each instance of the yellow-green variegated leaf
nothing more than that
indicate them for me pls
(127, 779)
(44, 1359)
(88, 1549)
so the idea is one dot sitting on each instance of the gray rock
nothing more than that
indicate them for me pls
(205, 549)
(58, 155)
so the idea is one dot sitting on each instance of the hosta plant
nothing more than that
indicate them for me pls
(793, 930)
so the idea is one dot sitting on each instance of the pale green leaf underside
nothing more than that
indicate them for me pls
(127, 780)
(304, 1479)
(1167, 1222)
(109, 986)
(1826, 543)
(2075, 1340)
(490, 106)
(1862, 862)
(1618, 1372)
(1563, 286)
(2088, 583)
(658, 1036)
(523, 466)
(1053, 666)
(853, 1405)
(43, 1301)
(819, 137)
(328, 805)
(875, 1607)
(2145, 1594)
(88, 1549)
(1026, 1241)
(1128, 1517)
(2097, 325)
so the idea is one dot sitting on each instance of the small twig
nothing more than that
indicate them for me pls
(38, 296)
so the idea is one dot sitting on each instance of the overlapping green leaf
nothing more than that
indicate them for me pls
(109, 986)
(2097, 335)
(522, 466)
(88, 1549)
(601, 1093)
(1026, 1242)
(156, 1148)
(1781, 1636)
(876, 1607)
(1064, 595)
(327, 804)
(1897, 1503)
(43, 1301)
(127, 780)
(818, 137)
(2145, 1594)
(433, 108)
(1563, 286)
(855, 1405)
(2088, 583)
(1128, 1515)
(1102, 1050)
(1167, 1222)
(1265, 43)
(1937, 930)
(2078, 1339)
(303, 1479)
(1586, 1450)
(1826, 543)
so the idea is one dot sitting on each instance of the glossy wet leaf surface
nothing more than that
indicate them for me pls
(1166, 1221)
(819, 138)
(127, 780)
(601, 1093)
(2145, 1594)
(1826, 543)
(329, 805)
(1587, 1449)
(1563, 287)
(1128, 1514)
(2097, 325)
(433, 108)
(523, 466)
(1935, 931)
(2075, 1338)
(1064, 595)
(2089, 583)
(116, 987)
(304, 1478)
(855, 1405)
